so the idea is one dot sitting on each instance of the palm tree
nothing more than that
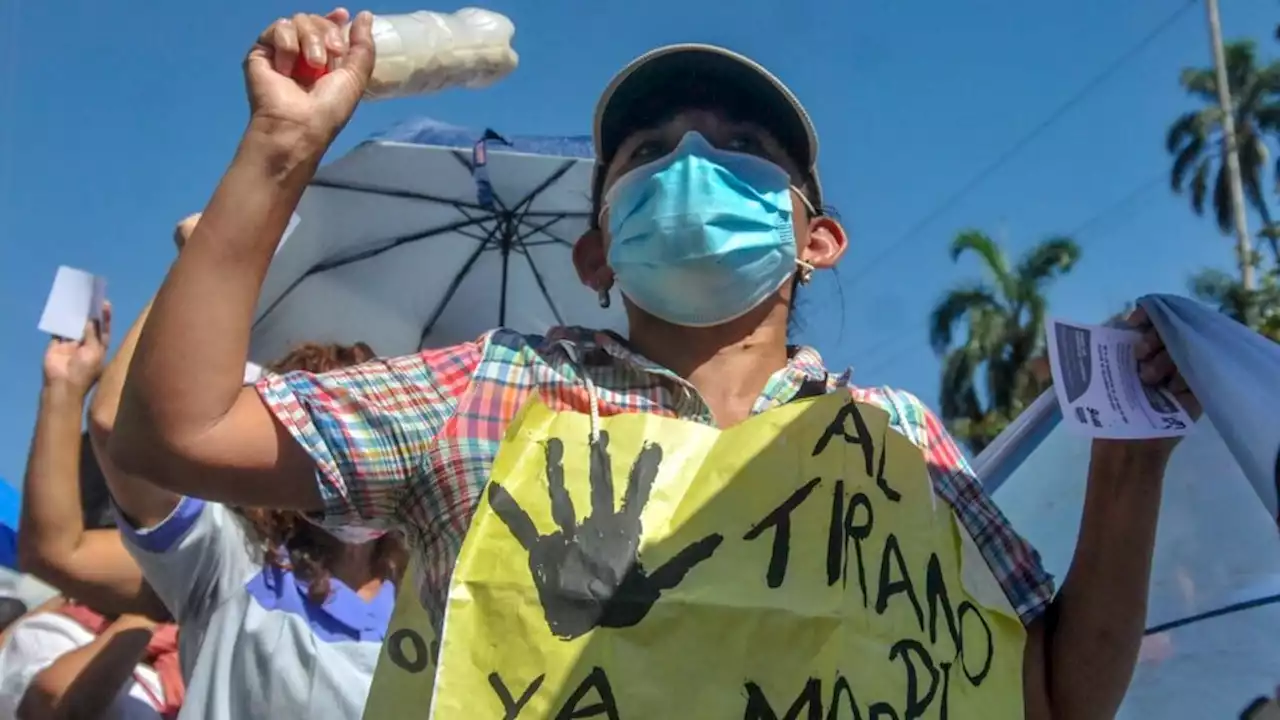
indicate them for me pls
(1197, 143)
(1259, 309)
(1004, 320)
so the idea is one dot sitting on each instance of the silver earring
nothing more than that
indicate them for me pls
(603, 295)
(806, 275)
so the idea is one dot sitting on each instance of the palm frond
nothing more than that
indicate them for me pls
(953, 307)
(1267, 116)
(992, 256)
(1222, 211)
(1242, 64)
(958, 397)
(1253, 161)
(1189, 126)
(1190, 154)
(989, 328)
(1050, 258)
(1259, 88)
(1200, 186)
(1200, 82)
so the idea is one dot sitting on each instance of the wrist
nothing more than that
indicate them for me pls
(285, 149)
(59, 390)
(1133, 456)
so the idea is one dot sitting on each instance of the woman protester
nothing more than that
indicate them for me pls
(279, 617)
(710, 220)
(103, 648)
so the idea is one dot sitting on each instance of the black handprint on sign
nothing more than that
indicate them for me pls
(589, 575)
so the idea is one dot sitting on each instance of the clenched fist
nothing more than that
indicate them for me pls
(283, 100)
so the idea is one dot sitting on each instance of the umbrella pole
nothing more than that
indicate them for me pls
(508, 236)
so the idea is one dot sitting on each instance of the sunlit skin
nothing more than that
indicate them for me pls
(187, 425)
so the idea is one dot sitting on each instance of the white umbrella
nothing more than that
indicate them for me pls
(431, 235)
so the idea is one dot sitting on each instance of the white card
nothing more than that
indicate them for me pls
(1095, 376)
(294, 221)
(252, 373)
(76, 297)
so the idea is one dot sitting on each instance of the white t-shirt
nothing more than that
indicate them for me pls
(35, 642)
(252, 643)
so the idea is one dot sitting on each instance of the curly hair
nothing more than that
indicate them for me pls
(288, 540)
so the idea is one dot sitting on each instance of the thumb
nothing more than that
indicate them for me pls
(362, 54)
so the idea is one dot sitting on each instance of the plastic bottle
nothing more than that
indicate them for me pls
(424, 52)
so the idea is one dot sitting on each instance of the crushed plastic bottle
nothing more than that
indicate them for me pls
(425, 52)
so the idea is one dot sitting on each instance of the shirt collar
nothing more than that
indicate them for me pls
(366, 619)
(596, 347)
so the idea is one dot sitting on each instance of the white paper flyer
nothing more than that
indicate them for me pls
(1095, 376)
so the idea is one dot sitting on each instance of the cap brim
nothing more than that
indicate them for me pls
(661, 81)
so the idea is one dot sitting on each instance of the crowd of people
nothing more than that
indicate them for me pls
(246, 562)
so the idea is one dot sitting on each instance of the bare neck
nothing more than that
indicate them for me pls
(728, 364)
(354, 566)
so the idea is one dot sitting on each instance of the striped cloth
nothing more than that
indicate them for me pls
(409, 442)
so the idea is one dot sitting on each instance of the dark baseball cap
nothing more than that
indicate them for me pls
(663, 80)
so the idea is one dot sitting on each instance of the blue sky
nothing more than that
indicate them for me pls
(117, 119)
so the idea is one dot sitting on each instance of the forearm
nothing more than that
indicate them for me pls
(1100, 613)
(83, 682)
(52, 526)
(106, 397)
(186, 374)
(144, 503)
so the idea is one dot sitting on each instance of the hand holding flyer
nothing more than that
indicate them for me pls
(1095, 376)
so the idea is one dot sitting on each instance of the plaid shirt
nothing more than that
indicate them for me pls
(409, 442)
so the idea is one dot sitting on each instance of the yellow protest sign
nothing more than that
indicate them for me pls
(406, 665)
(795, 566)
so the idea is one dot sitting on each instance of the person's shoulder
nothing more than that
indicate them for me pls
(906, 410)
(509, 349)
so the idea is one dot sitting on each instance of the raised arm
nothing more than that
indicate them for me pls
(90, 565)
(144, 503)
(185, 423)
(1094, 629)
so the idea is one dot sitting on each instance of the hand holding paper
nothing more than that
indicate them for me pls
(76, 298)
(77, 364)
(1117, 383)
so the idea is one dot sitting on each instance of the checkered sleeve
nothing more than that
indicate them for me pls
(370, 428)
(1014, 561)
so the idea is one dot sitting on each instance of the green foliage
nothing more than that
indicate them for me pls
(1259, 309)
(1197, 144)
(1003, 318)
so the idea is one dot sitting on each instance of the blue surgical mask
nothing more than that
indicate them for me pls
(701, 236)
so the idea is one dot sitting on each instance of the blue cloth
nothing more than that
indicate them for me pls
(1235, 373)
(10, 504)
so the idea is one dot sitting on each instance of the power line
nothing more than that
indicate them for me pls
(1089, 223)
(1092, 221)
(1013, 150)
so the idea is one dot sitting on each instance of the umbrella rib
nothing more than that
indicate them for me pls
(551, 240)
(542, 187)
(555, 213)
(542, 285)
(476, 236)
(405, 194)
(453, 287)
(542, 229)
(365, 255)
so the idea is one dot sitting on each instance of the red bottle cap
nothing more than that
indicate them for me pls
(304, 73)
